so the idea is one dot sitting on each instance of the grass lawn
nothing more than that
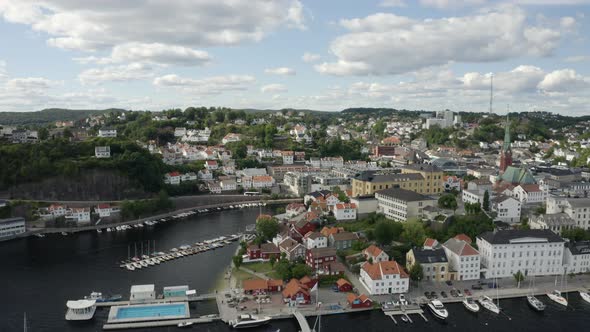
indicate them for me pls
(260, 267)
(242, 275)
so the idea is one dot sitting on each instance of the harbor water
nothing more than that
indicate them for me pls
(39, 275)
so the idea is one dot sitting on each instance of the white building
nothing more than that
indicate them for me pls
(576, 258)
(463, 259)
(384, 278)
(11, 227)
(227, 185)
(211, 165)
(507, 209)
(472, 196)
(401, 205)
(179, 131)
(205, 174)
(262, 181)
(577, 208)
(529, 193)
(79, 215)
(142, 293)
(315, 240)
(102, 151)
(535, 251)
(345, 211)
(231, 138)
(287, 157)
(105, 210)
(375, 254)
(556, 222)
(107, 132)
(172, 178)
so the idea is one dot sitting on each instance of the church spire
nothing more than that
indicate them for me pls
(507, 134)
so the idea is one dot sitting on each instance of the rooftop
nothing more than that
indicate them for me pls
(404, 195)
(429, 256)
(520, 236)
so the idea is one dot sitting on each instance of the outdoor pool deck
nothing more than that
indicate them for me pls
(148, 312)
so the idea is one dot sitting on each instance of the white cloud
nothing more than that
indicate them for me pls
(273, 88)
(3, 70)
(520, 79)
(563, 80)
(443, 4)
(31, 84)
(122, 73)
(97, 24)
(382, 44)
(159, 53)
(310, 57)
(578, 58)
(206, 86)
(392, 3)
(285, 71)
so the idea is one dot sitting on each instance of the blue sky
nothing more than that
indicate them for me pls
(423, 54)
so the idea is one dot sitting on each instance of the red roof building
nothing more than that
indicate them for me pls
(343, 285)
(358, 302)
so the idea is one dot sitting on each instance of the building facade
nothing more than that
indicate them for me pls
(11, 227)
(384, 278)
(401, 205)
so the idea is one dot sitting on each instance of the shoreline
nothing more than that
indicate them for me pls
(141, 220)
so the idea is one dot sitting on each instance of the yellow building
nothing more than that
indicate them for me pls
(433, 183)
(435, 266)
(367, 183)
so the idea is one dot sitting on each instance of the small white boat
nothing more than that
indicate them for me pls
(535, 303)
(98, 230)
(64, 233)
(405, 319)
(470, 305)
(39, 235)
(489, 304)
(130, 267)
(185, 324)
(109, 229)
(137, 265)
(80, 309)
(247, 321)
(438, 309)
(585, 296)
(144, 264)
(556, 297)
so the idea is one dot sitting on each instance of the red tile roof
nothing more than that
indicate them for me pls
(378, 270)
(463, 237)
(373, 250)
(429, 242)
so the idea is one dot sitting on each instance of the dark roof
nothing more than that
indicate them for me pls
(428, 256)
(373, 176)
(322, 252)
(506, 236)
(402, 194)
(423, 167)
(344, 236)
(579, 248)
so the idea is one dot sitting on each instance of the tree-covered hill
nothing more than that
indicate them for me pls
(48, 115)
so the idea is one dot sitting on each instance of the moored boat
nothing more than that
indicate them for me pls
(488, 304)
(185, 324)
(535, 303)
(247, 321)
(585, 296)
(438, 309)
(470, 304)
(80, 309)
(557, 298)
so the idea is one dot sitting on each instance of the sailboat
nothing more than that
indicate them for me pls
(585, 295)
(532, 301)
(556, 294)
(25, 323)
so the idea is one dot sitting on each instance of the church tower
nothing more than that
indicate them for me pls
(506, 154)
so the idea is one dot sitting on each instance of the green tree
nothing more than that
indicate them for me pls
(416, 272)
(283, 269)
(300, 270)
(267, 228)
(575, 234)
(43, 133)
(387, 231)
(272, 260)
(486, 201)
(413, 232)
(238, 260)
(519, 277)
(448, 201)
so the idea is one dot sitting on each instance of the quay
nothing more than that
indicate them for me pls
(173, 322)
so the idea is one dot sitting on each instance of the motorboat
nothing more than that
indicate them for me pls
(470, 304)
(556, 297)
(247, 321)
(585, 296)
(143, 263)
(402, 300)
(80, 309)
(96, 296)
(130, 267)
(438, 309)
(64, 233)
(535, 303)
(185, 324)
(98, 230)
(489, 304)
(405, 319)
(39, 235)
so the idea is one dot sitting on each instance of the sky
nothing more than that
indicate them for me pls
(325, 55)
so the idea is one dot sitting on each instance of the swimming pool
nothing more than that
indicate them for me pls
(149, 312)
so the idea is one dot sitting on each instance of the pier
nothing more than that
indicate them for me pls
(173, 322)
(302, 321)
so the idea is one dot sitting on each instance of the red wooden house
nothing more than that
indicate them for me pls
(296, 292)
(357, 302)
(343, 285)
(263, 251)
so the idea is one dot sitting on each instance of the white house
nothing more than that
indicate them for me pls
(11, 227)
(211, 165)
(401, 205)
(315, 240)
(214, 187)
(102, 151)
(231, 138)
(287, 157)
(79, 215)
(557, 222)
(107, 132)
(105, 210)
(384, 278)
(295, 209)
(532, 252)
(262, 181)
(576, 258)
(57, 210)
(227, 185)
(205, 174)
(172, 178)
(577, 208)
(463, 259)
(345, 211)
(375, 254)
(472, 196)
(190, 176)
(529, 193)
(507, 209)
(179, 131)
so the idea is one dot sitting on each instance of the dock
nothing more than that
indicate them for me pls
(405, 311)
(173, 322)
(302, 321)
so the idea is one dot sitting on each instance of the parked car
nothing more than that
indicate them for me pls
(433, 295)
(444, 294)
(467, 292)
(476, 287)
(448, 282)
(453, 293)
(428, 296)
(459, 293)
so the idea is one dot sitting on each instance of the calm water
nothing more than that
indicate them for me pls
(39, 275)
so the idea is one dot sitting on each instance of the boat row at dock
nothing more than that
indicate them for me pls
(156, 258)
